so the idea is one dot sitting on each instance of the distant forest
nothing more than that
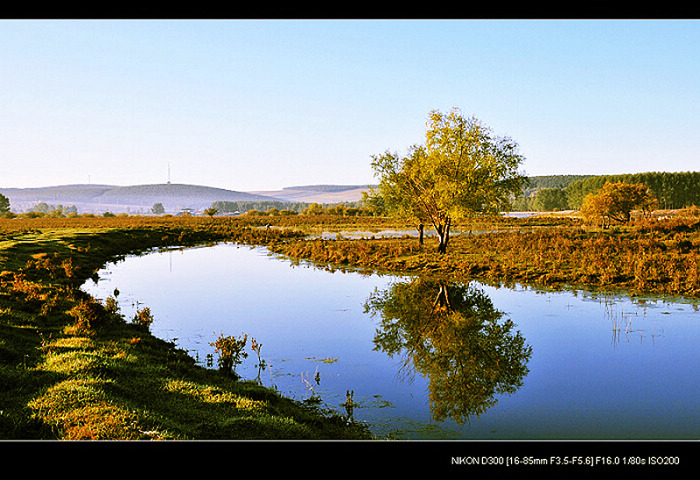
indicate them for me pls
(566, 192)
(244, 206)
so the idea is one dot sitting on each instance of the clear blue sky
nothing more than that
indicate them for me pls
(263, 104)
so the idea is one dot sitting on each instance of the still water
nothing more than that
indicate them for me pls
(505, 363)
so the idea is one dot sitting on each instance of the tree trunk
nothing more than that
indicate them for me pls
(443, 232)
(420, 234)
(442, 246)
(447, 232)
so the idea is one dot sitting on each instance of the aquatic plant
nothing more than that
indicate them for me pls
(256, 347)
(647, 256)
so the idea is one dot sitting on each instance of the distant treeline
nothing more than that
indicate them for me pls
(551, 181)
(290, 208)
(565, 192)
(261, 206)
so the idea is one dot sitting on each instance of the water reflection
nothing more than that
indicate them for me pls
(451, 334)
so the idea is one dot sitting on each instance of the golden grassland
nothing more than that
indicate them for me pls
(645, 256)
(72, 367)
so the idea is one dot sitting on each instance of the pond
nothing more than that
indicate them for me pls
(429, 359)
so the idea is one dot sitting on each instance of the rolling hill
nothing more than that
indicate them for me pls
(174, 197)
(118, 199)
(318, 193)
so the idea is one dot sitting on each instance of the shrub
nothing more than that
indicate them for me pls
(89, 315)
(231, 353)
(143, 318)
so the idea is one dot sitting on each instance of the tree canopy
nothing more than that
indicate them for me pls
(4, 204)
(671, 189)
(616, 201)
(550, 199)
(158, 208)
(461, 170)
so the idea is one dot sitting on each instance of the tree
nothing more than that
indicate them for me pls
(314, 209)
(4, 204)
(461, 170)
(616, 201)
(372, 202)
(71, 210)
(42, 207)
(158, 209)
(550, 199)
(211, 211)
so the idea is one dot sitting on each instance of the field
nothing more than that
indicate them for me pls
(74, 368)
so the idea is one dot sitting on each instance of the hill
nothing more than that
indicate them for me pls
(131, 199)
(318, 193)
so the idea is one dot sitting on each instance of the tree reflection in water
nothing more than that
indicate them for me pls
(452, 335)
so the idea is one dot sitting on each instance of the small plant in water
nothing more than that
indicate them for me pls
(231, 353)
(313, 398)
(349, 404)
(45, 343)
(256, 347)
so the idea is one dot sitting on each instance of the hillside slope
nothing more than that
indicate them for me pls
(117, 199)
(318, 193)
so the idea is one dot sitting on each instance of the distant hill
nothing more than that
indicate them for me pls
(326, 188)
(318, 193)
(133, 199)
(173, 196)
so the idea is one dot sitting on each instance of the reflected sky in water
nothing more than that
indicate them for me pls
(602, 367)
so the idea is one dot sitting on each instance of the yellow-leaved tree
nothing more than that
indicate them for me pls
(616, 202)
(462, 170)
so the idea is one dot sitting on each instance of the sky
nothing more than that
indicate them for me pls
(253, 105)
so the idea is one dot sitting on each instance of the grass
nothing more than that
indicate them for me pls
(645, 257)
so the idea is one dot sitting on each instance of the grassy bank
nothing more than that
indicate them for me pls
(74, 368)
